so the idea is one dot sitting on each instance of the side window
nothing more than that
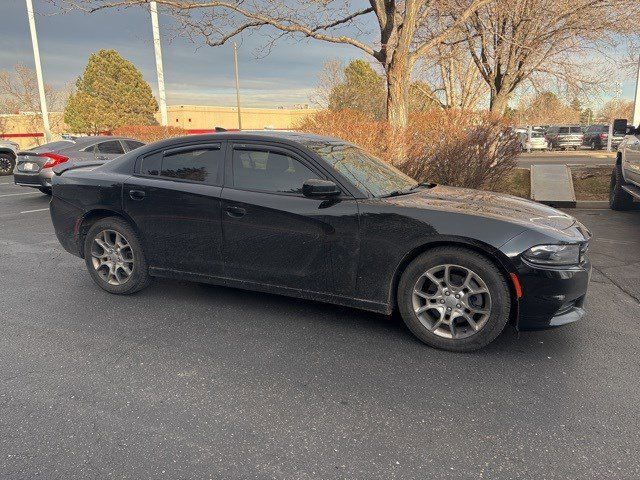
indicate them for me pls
(269, 172)
(132, 144)
(112, 147)
(196, 165)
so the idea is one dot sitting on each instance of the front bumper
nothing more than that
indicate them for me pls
(552, 297)
(41, 179)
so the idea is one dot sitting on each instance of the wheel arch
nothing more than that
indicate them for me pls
(92, 216)
(8, 151)
(492, 254)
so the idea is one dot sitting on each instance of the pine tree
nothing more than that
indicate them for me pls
(110, 93)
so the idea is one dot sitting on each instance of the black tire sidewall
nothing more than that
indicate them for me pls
(492, 276)
(618, 198)
(140, 277)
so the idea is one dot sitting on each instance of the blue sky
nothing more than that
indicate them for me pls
(193, 75)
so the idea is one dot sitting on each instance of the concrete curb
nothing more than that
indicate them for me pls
(593, 204)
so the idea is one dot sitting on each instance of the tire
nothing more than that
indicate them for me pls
(618, 198)
(489, 326)
(45, 190)
(132, 257)
(7, 164)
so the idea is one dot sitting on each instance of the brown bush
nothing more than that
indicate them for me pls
(149, 133)
(449, 147)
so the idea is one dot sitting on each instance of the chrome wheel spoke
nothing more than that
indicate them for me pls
(112, 257)
(451, 301)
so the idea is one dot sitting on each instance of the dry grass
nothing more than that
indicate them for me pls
(517, 182)
(591, 183)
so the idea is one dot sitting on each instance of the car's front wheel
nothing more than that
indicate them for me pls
(114, 257)
(7, 162)
(455, 299)
(619, 199)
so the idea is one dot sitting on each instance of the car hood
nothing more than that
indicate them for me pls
(488, 204)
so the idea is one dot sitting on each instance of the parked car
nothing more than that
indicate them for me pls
(318, 218)
(537, 141)
(597, 137)
(564, 136)
(625, 178)
(8, 151)
(34, 167)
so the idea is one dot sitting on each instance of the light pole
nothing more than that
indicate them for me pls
(235, 62)
(636, 108)
(36, 59)
(153, 8)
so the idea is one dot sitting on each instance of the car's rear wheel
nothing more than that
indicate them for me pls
(455, 299)
(7, 162)
(114, 257)
(619, 199)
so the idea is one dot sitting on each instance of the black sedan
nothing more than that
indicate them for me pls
(34, 167)
(318, 218)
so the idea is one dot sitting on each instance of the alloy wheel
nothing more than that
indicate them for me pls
(5, 166)
(112, 257)
(452, 301)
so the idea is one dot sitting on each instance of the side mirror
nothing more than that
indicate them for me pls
(319, 188)
(620, 126)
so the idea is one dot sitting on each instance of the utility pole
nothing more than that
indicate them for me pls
(36, 59)
(636, 108)
(235, 62)
(153, 8)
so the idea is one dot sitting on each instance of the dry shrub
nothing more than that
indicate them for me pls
(149, 133)
(443, 146)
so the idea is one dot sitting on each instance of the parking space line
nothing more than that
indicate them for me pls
(14, 194)
(38, 210)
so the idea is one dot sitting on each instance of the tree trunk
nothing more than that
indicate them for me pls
(398, 73)
(499, 102)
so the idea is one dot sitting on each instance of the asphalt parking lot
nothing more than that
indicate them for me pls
(191, 381)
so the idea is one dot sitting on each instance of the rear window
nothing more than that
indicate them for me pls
(576, 129)
(112, 147)
(563, 130)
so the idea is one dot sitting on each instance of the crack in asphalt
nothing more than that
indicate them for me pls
(613, 282)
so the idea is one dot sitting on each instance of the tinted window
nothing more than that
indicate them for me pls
(197, 165)
(269, 171)
(132, 144)
(365, 171)
(111, 147)
(576, 130)
(563, 130)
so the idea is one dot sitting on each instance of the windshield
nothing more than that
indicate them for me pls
(368, 173)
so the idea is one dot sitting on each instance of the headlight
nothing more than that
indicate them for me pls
(554, 254)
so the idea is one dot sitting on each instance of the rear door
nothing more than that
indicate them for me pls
(275, 235)
(174, 198)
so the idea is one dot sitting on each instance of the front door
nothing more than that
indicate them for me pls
(174, 199)
(632, 157)
(274, 235)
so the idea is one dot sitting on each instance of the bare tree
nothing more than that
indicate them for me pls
(456, 80)
(19, 94)
(396, 44)
(517, 41)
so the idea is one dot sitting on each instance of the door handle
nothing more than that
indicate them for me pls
(235, 212)
(137, 194)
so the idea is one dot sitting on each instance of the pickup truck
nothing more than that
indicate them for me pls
(625, 178)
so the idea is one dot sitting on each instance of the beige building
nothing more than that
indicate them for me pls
(26, 128)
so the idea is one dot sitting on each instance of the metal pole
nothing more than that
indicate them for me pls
(235, 61)
(636, 108)
(36, 58)
(153, 8)
(529, 133)
(610, 137)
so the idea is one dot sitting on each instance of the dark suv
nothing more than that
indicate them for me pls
(596, 137)
(564, 136)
